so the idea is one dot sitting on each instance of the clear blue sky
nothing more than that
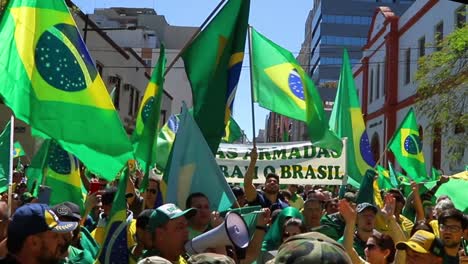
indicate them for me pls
(281, 21)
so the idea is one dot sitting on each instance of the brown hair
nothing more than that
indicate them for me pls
(385, 242)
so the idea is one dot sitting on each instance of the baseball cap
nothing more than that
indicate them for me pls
(363, 206)
(68, 210)
(154, 260)
(167, 212)
(311, 247)
(210, 258)
(31, 219)
(422, 242)
(26, 197)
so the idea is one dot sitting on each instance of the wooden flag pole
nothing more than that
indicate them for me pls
(207, 20)
(10, 172)
(251, 86)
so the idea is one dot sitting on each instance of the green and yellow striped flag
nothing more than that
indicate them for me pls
(407, 148)
(50, 82)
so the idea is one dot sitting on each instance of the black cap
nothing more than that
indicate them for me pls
(363, 206)
(67, 210)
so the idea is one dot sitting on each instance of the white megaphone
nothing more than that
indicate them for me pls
(233, 231)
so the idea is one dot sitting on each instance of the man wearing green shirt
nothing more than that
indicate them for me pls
(169, 229)
(365, 225)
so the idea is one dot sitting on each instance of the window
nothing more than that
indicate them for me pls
(117, 84)
(436, 146)
(408, 66)
(422, 46)
(137, 101)
(384, 79)
(371, 96)
(439, 35)
(375, 146)
(131, 101)
(377, 91)
(460, 17)
(351, 20)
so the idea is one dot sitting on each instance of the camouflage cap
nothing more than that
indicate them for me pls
(210, 258)
(154, 260)
(311, 247)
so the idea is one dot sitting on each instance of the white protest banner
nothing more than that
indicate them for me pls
(294, 162)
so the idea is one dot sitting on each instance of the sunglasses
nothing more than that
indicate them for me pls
(153, 191)
(371, 246)
(450, 228)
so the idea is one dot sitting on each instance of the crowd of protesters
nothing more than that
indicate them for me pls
(297, 224)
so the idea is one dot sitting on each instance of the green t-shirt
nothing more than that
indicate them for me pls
(358, 245)
(193, 233)
(78, 256)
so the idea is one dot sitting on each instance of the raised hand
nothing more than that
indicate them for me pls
(216, 219)
(389, 207)
(253, 155)
(264, 219)
(347, 211)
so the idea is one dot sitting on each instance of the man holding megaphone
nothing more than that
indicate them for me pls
(168, 226)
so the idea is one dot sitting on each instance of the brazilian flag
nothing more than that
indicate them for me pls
(18, 150)
(50, 82)
(346, 121)
(63, 176)
(213, 63)
(384, 180)
(114, 248)
(148, 120)
(232, 131)
(282, 86)
(407, 148)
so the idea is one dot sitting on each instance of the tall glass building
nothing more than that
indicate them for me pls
(336, 24)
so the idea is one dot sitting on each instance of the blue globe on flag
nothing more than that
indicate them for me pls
(364, 148)
(413, 144)
(295, 84)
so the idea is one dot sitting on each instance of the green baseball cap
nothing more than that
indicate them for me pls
(167, 212)
(311, 247)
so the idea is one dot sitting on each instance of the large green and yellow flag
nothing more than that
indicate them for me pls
(148, 120)
(50, 82)
(213, 64)
(346, 121)
(407, 148)
(282, 86)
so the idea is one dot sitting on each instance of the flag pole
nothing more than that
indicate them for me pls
(381, 156)
(251, 86)
(10, 172)
(194, 36)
